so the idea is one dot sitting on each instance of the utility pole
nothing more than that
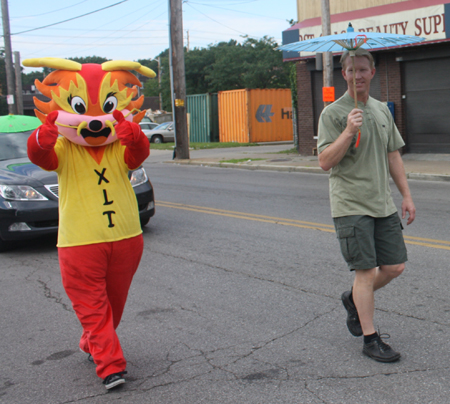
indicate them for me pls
(19, 92)
(178, 79)
(159, 82)
(327, 56)
(8, 58)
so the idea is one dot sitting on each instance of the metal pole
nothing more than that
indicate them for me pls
(159, 82)
(19, 92)
(172, 95)
(327, 56)
(8, 58)
(179, 80)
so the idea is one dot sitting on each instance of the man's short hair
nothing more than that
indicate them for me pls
(359, 52)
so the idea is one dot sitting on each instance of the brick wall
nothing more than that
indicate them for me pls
(391, 88)
(305, 115)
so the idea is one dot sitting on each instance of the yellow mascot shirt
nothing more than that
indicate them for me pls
(96, 200)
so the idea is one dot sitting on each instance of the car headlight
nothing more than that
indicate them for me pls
(20, 193)
(138, 177)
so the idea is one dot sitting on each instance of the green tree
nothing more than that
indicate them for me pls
(165, 81)
(293, 84)
(226, 66)
(152, 87)
(29, 78)
(89, 59)
(231, 65)
(227, 71)
(150, 63)
(264, 67)
(198, 64)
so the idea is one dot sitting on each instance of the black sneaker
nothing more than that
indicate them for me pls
(114, 380)
(380, 351)
(353, 324)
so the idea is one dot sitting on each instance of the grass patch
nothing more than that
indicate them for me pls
(162, 146)
(236, 161)
(290, 151)
(198, 145)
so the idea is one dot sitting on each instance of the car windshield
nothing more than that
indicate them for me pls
(164, 125)
(14, 145)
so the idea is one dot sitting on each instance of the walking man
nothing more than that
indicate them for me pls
(366, 220)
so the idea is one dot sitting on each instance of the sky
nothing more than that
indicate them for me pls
(137, 29)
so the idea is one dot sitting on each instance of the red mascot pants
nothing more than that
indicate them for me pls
(97, 278)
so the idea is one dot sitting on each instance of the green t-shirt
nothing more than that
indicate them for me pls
(359, 184)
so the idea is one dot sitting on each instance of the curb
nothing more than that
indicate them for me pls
(297, 169)
(428, 177)
(266, 167)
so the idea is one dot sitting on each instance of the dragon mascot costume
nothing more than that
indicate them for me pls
(100, 241)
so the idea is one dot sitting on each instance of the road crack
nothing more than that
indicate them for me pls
(56, 297)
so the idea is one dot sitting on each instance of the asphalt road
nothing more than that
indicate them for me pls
(237, 301)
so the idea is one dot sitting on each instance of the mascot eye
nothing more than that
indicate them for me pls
(110, 104)
(78, 105)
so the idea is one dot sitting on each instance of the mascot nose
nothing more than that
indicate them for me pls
(95, 126)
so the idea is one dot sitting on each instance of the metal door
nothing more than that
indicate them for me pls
(427, 98)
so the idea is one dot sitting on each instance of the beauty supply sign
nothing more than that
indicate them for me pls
(428, 21)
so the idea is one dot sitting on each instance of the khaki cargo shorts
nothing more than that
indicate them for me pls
(368, 242)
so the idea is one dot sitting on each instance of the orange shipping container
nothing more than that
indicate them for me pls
(259, 115)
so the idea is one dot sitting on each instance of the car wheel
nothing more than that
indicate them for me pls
(157, 139)
(145, 221)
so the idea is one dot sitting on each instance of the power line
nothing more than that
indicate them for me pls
(162, 34)
(51, 12)
(234, 10)
(70, 19)
(231, 3)
(212, 19)
(97, 29)
(152, 31)
(53, 44)
(107, 42)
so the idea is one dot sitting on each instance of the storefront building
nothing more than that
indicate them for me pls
(414, 80)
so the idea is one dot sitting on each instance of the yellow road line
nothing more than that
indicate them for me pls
(182, 205)
(248, 216)
(425, 242)
(427, 239)
(442, 247)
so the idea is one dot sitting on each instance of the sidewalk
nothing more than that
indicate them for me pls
(434, 167)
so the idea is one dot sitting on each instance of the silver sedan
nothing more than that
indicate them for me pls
(161, 134)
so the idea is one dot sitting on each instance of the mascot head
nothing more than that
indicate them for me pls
(86, 95)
